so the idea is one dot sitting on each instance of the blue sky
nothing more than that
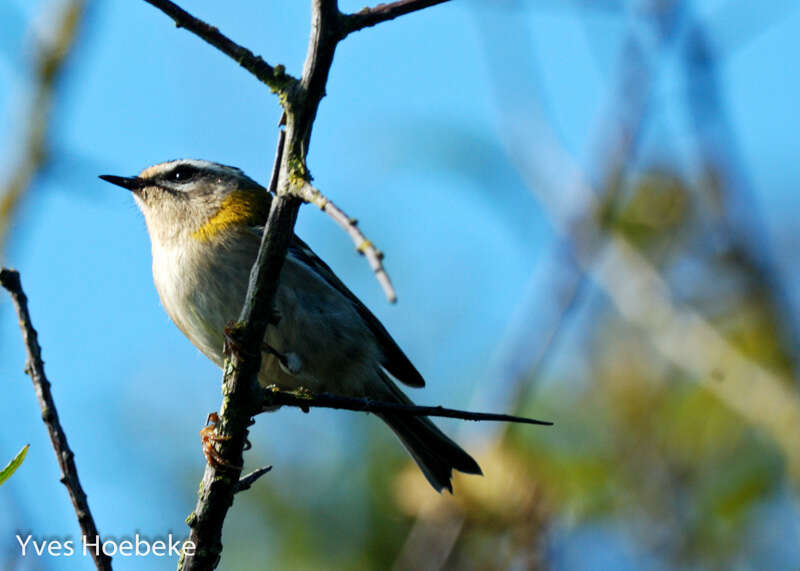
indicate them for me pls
(406, 140)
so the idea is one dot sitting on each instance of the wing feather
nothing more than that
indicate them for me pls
(395, 361)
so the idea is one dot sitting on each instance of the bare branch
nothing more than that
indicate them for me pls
(246, 481)
(275, 397)
(350, 225)
(275, 77)
(34, 367)
(383, 12)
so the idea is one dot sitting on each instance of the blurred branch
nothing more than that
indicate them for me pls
(350, 225)
(614, 153)
(50, 58)
(644, 299)
(690, 342)
(573, 285)
(368, 17)
(722, 174)
(34, 367)
(581, 209)
(275, 77)
(304, 400)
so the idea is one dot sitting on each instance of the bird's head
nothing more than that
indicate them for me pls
(197, 199)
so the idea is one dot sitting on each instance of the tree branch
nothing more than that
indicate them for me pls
(350, 225)
(275, 397)
(246, 481)
(368, 17)
(275, 77)
(34, 367)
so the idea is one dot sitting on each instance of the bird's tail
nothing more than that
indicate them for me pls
(435, 454)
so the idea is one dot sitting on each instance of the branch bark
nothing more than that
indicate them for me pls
(34, 367)
(368, 17)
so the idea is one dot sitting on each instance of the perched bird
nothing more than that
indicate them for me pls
(205, 222)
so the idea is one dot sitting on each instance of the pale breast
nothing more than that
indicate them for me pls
(203, 286)
(201, 292)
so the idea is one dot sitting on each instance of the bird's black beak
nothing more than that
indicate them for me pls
(129, 182)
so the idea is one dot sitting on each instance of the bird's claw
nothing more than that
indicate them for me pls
(209, 437)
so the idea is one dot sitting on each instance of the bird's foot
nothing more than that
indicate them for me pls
(209, 438)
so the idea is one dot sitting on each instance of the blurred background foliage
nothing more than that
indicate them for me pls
(653, 462)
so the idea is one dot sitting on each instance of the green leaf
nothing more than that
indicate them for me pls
(6, 472)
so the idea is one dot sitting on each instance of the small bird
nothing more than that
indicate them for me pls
(205, 222)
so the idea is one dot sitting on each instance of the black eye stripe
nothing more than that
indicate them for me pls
(181, 173)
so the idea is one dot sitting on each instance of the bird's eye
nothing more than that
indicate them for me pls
(182, 173)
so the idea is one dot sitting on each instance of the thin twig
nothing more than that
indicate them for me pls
(350, 225)
(383, 12)
(305, 401)
(274, 76)
(34, 367)
(246, 481)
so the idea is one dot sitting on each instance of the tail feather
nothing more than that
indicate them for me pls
(435, 454)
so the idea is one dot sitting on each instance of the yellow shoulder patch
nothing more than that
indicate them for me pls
(242, 207)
